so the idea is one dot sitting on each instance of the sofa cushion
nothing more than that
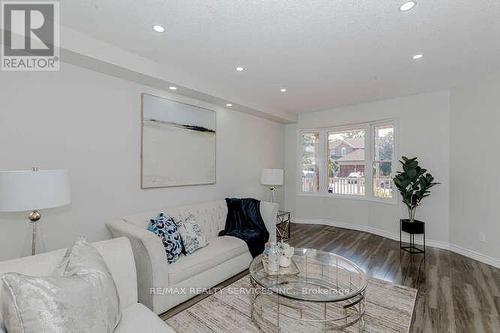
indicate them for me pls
(164, 226)
(117, 254)
(192, 236)
(215, 253)
(138, 318)
(81, 287)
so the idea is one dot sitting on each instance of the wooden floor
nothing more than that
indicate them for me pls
(455, 293)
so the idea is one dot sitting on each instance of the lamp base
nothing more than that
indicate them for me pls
(35, 216)
(272, 193)
(34, 242)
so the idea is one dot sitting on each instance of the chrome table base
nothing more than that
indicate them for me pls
(272, 312)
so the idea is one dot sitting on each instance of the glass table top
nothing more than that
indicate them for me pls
(321, 277)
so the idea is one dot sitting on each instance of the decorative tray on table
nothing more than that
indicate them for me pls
(292, 269)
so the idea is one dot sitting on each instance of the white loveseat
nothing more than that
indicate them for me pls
(162, 285)
(118, 255)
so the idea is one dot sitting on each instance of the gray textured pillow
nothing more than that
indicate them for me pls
(81, 296)
(192, 236)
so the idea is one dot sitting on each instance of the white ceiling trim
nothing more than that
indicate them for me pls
(81, 50)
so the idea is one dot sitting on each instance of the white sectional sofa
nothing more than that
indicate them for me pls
(117, 254)
(162, 285)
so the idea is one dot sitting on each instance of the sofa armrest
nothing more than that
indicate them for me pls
(150, 258)
(269, 212)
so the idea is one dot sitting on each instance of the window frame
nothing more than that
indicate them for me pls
(300, 151)
(323, 159)
(373, 154)
(343, 129)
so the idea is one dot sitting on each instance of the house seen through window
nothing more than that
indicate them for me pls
(359, 161)
(346, 162)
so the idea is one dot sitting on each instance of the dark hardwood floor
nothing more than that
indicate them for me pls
(455, 293)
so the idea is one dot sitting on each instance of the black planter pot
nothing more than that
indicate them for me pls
(412, 228)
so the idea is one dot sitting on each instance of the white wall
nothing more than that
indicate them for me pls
(423, 131)
(475, 161)
(89, 123)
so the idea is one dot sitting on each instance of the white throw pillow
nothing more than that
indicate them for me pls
(192, 236)
(81, 296)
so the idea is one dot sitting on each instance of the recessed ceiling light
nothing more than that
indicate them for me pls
(158, 28)
(229, 105)
(240, 69)
(417, 56)
(172, 88)
(407, 6)
(283, 89)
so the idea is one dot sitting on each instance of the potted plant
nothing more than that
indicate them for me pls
(414, 184)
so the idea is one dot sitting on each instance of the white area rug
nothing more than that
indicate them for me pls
(389, 308)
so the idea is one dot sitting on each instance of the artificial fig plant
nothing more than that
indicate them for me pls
(413, 183)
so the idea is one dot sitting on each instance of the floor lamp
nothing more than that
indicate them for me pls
(272, 178)
(32, 191)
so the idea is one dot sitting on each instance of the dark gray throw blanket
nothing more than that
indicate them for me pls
(245, 222)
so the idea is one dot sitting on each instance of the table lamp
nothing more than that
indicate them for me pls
(272, 178)
(32, 191)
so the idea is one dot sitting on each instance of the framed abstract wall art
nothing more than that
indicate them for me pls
(178, 143)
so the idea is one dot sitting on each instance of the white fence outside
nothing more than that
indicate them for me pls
(350, 186)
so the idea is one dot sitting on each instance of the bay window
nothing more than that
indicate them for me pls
(351, 161)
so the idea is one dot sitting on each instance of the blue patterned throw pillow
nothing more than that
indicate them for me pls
(165, 227)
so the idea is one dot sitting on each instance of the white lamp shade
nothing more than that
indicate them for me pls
(272, 177)
(32, 190)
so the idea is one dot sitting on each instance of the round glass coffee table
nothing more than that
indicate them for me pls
(320, 291)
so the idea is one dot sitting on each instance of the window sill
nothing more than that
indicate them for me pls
(392, 201)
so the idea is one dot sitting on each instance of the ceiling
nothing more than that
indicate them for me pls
(327, 53)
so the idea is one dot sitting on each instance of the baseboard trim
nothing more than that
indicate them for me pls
(395, 236)
(475, 255)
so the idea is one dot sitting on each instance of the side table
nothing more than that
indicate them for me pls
(283, 221)
(412, 228)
